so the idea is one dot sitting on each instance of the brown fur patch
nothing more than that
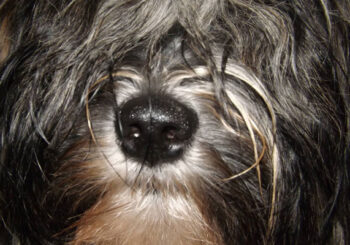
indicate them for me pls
(128, 217)
(4, 39)
(128, 210)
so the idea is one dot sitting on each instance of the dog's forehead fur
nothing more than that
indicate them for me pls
(268, 82)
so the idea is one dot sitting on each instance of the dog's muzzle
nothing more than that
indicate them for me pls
(155, 129)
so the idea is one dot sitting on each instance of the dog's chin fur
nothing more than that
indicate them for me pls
(268, 162)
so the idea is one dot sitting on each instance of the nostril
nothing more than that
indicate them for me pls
(155, 129)
(134, 132)
(170, 133)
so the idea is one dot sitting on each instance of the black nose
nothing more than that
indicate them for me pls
(155, 129)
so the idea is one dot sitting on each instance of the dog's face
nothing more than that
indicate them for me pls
(174, 122)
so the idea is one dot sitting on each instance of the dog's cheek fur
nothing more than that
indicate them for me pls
(4, 39)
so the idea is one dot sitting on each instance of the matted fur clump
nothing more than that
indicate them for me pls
(174, 122)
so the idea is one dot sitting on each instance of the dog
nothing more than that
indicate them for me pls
(174, 122)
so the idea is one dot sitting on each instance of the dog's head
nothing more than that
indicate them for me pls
(174, 122)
